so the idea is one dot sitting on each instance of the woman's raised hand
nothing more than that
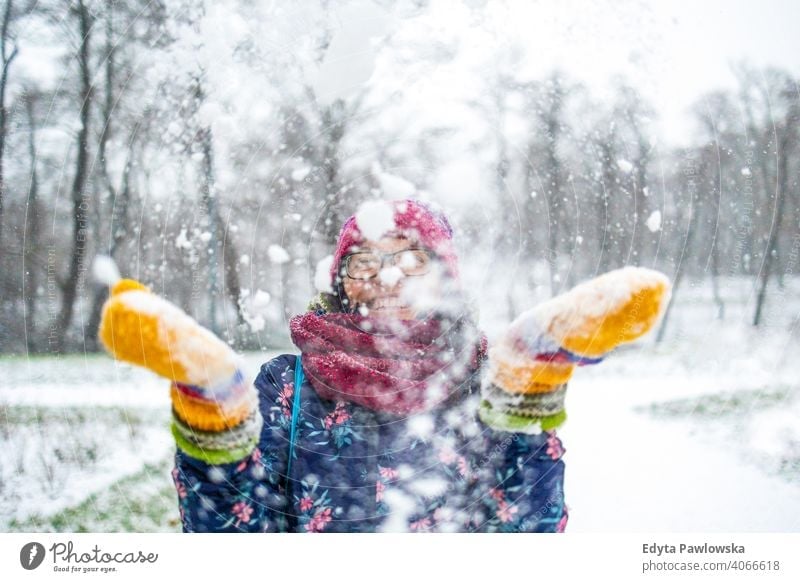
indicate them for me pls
(531, 364)
(215, 414)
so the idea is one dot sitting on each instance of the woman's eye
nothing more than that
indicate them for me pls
(408, 260)
(413, 262)
(363, 262)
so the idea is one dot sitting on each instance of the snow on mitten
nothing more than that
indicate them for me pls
(215, 414)
(529, 368)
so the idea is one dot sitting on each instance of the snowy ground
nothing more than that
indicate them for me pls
(699, 433)
(84, 438)
(725, 456)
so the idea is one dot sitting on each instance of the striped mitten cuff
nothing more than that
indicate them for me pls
(522, 394)
(219, 425)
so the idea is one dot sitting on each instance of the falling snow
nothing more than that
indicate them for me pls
(654, 221)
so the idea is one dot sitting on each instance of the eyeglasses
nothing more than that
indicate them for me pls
(366, 265)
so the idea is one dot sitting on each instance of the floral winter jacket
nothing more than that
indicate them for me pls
(355, 470)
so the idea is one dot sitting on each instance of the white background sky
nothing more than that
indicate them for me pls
(673, 50)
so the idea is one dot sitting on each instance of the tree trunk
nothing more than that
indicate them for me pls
(642, 241)
(714, 258)
(334, 119)
(119, 231)
(715, 290)
(500, 176)
(529, 241)
(7, 59)
(31, 240)
(772, 241)
(230, 257)
(100, 292)
(553, 193)
(692, 188)
(604, 198)
(79, 200)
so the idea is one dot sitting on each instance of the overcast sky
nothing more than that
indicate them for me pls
(673, 50)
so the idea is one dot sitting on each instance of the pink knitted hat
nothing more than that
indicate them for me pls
(414, 219)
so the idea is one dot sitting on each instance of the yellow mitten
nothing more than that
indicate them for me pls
(529, 367)
(215, 416)
(144, 329)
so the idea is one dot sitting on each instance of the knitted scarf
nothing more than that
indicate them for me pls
(389, 365)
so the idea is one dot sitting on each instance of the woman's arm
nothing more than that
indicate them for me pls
(517, 483)
(523, 391)
(229, 460)
(246, 495)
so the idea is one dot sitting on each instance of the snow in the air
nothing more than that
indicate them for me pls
(430, 487)
(300, 173)
(254, 308)
(322, 277)
(182, 241)
(390, 275)
(256, 323)
(375, 218)
(420, 425)
(654, 221)
(261, 299)
(625, 166)
(349, 61)
(277, 254)
(105, 270)
(395, 187)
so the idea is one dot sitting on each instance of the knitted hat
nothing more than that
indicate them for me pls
(414, 219)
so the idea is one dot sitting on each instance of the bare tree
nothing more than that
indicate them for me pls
(32, 235)
(219, 232)
(112, 207)
(712, 110)
(634, 114)
(691, 170)
(784, 132)
(7, 56)
(80, 200)
(771, 94)
(604, 139)
(552, 124)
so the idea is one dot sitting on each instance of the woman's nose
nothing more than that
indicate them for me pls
(390, 277)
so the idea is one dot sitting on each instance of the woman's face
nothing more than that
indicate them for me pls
(387, 294)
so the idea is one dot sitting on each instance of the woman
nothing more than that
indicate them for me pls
(396, 417)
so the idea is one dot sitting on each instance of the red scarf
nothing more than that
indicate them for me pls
(391, 365)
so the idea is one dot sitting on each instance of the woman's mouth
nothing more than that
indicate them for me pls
(386, 303)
